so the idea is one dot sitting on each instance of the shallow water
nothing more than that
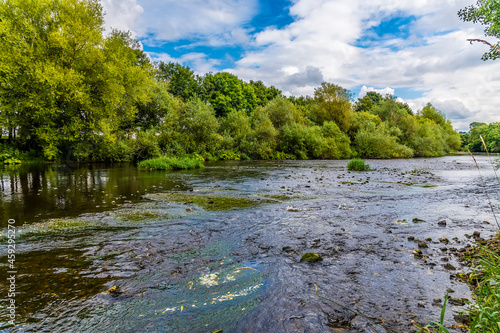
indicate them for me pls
(239, 270)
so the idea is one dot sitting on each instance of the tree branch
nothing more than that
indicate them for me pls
(484, 42)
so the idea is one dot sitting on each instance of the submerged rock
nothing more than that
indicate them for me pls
(311, 257)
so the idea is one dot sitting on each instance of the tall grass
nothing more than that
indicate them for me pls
(171, 163)
(357, 164)
(484, 314)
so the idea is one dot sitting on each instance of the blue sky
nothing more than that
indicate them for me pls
(416, 50)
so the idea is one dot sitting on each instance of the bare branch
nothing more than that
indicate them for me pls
(484, 42)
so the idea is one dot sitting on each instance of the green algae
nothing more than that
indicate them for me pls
(52, 227)
(139, 215)
(211, 203)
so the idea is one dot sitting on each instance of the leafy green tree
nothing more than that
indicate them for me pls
(181, 80)
(63, 85)
(153, 112)
(333, 104)
(487, 13)
(198, 126)
(281, 112)
(264, 94)
(380, 141)
(476, 124)
(225, 93)
(491, 136)
(337, 142)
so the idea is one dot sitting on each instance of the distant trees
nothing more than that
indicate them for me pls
(67, 92)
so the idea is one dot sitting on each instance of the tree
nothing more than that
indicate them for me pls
(487, 13)
(333, 104)
(181, 80)
(226, 93)
(63, 85)
(263, 93)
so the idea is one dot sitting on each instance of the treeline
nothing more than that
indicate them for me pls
(490, 134)
(68, 92)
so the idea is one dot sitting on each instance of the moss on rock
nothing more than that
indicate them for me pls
(311, 257)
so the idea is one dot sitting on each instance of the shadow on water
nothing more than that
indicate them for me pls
(239, 270)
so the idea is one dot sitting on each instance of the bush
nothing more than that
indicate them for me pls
(379, 141)
(172, 163)
(357, 164)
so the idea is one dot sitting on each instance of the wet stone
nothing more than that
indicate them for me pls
(422, 245)
(442, 223)
(311, 257)
(456, 301)
(449, 266)
(444, 240)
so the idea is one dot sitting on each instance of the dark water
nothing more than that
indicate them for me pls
(240, 270)
(31, 193)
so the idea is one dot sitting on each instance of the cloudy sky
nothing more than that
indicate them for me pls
(414, 49)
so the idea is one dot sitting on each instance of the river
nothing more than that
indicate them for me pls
(220, 248)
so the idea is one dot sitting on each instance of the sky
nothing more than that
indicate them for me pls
(416, 50)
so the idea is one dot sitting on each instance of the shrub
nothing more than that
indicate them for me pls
(172, 163)
(379, 141)
(357, 164)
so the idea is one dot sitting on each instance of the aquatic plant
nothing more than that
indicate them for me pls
(52, 227)
(437, 326)
(357, 164)
(211, 203)
(171, 163)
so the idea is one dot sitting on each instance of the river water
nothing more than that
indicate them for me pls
(150, 263)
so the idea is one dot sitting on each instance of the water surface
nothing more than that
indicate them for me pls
(189, 269)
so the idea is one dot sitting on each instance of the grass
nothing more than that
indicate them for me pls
(357, 164)
(484, 315)
(171, 163)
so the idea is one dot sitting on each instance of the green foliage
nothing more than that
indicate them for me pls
(485, 313)
(67, 91)
(172, 163)
(380, 141)
(226, 93)
(333, 103)
(264, 94)
(438, 326)
(487, 13)
(61, 81)
(282, 112)
(490, 134)
(198, 126)
(357, 164)
(181, 80)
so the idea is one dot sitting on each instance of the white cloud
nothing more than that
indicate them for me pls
(199, 62)
(323, 44)
(385, 91)
(210, 21)
(121, 14)
(435, 58)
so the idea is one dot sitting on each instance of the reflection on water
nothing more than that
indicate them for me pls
(30, 193)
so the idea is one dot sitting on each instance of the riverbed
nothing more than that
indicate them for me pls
(220, 248)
